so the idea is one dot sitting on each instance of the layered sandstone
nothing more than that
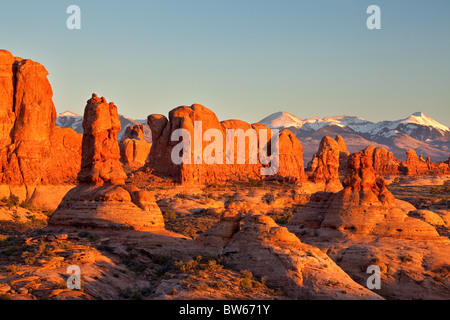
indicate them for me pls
(117, 207)
(224, 163)
(32, 151)
(134, 149)
(100, 161)
(102, 200)
(299, 270)
(343, 154)
(417, 165)
(325, 163)
(383, 161)
(364, 206)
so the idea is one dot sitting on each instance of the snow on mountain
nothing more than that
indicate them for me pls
(285, 120)
(282, 120)
(418, 130)
(69, 119)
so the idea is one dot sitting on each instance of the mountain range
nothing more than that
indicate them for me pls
(418, 131)
(68, 119)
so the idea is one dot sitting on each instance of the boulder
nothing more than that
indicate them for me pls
(107, 207)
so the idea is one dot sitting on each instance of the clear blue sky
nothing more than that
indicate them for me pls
(244, 59)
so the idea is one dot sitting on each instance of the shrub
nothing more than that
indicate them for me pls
(169, 214)
(198, 264)
(246, 284)
(268, 198)
(256, 183)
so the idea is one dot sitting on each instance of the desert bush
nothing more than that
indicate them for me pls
(268, 198)
(169, 214)
(255, 183)
(200, 263)
(11, 201)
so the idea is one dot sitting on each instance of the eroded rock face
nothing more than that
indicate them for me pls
(416, 165)
(325, 164)
(384, 162)
(100, 161)
(364, 206)
(343, 154)
(102, 200)
(134, 149)
(220, 234)
(199, 171)
(108, 207)
(299, 270)
(31, 150)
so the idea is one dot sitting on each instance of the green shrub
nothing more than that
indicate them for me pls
(11, 201)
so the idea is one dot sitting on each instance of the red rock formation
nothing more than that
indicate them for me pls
(102, 200)
(384, 162)
(134, 149)
(246, 163)
(299, 270)
(325, 163)
(29, 148)
(291, 166)
(415, 165)
(100, 161)
(343, 154)
(65, 156)
(365, 206)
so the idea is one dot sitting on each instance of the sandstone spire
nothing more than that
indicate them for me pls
(100, 161)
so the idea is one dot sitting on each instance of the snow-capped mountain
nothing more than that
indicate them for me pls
(74, 121)
(418, 131)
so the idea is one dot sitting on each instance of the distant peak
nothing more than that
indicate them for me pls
(68, 114)
(419, 114)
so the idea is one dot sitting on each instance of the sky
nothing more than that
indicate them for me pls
(244, 59)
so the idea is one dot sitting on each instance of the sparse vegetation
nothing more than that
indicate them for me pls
(268, 198)
(255, 183)
(169, 214)
(11, 201)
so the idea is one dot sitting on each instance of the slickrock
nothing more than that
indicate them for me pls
(31, 151)
(299, 270)
(102, 200)
(108, 207)
(198, 171)
(134, 149)
(100, 161)
(365, 225)
(325, 164)
(220, 234)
